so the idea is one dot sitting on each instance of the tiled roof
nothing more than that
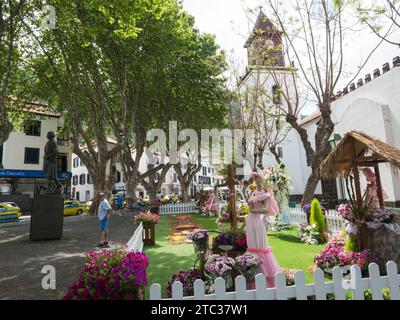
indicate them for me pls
(263, 23)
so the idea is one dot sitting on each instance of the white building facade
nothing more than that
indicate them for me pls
(21, 156)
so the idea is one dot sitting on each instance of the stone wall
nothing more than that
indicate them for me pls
(384, 244)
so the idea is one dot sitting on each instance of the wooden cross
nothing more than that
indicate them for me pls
(230, 182)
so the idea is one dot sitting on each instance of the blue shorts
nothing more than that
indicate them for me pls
(104, 224)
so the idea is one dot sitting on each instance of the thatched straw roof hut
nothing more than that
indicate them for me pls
(360, 150)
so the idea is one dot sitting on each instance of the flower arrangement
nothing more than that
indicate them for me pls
(275, 225)
(379, 215)
(236, 239)
(309, 234)
(335, 254)
(110, 275)
(198, 235)
(218, 266)
(200, 240)
(247, 264)
(244, 209)
(290, 276)
(147, 218)
(278, 180)
(345, 212)
(187, 278)
(224, 216)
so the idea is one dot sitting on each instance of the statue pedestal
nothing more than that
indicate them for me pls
(47, 217)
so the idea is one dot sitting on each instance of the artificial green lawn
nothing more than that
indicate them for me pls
(167, 259)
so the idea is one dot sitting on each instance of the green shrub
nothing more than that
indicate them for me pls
(385, 294)
(317, 216)
(351, 244)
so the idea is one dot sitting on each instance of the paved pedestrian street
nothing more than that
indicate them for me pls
(21, 260)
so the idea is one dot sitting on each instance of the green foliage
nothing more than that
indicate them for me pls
(351, 244)
(317, 216)
(385, 293)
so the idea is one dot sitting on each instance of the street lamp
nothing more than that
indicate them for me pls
(334, 141)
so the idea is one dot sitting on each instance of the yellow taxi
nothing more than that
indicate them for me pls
(74, 208)
(10, 208)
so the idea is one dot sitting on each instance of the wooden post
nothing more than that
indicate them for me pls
(230, 182)
(356, 176)
(362, 232)
(379, 185)
(232, 199)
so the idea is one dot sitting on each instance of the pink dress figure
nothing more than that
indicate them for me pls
(210, 204)
(256, 235)
(373, 188)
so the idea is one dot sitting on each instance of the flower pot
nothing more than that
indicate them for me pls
(232, 254)
(200, 245)
(227, 276)
(149, 234)
(249, 274)
(136, 294)
(328, 273)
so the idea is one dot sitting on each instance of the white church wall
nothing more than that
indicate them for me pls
(374, 108)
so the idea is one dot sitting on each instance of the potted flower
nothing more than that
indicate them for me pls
(200, 240)
(335, 254)
(220, 266)
(290, 276)
(111, 275)
(149, 220)
(236, 239)
(187, 278)
(247, 265)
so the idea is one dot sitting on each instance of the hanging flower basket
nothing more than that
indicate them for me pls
(200, 240)
(200, 245)
(220, 266)
(247, 265)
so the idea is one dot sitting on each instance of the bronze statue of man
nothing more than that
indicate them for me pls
(50, 164)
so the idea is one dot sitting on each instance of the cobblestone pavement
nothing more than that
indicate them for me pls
(21, 260)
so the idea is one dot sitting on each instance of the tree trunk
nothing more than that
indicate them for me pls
(131, 186)
(275, 154)
(152, 192)
(184, 190)
(100, 186)
(311, 185)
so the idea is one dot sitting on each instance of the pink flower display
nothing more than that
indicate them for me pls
(147, 218)
(109, 275)
(218, 265)
(335, 255)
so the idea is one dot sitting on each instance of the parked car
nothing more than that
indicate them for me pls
(10, 208)
(88, 204)
(74, 208)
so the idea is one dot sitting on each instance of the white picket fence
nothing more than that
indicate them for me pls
(136, 242)
(334, 221)
(178, 208)
(300, 291)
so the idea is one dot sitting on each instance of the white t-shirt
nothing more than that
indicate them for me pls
(103, 208)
